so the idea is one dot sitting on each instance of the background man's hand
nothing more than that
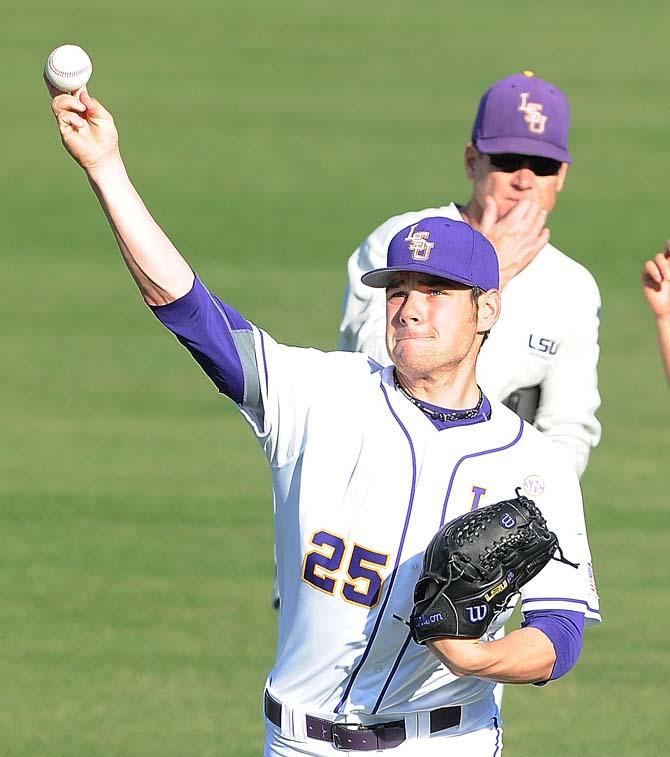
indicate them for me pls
(87, 129)
(517, 236)
(656, 282)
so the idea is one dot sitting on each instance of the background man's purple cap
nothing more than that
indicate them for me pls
(525, 115)
(438, 246)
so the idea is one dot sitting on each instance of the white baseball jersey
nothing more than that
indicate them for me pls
(547, 335)
(362, 481)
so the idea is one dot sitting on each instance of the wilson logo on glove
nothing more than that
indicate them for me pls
(476, 613)
(423, 621)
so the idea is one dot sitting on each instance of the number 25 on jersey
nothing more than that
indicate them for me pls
(322, 564)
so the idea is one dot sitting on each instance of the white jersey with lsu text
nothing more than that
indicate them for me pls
(362, 481)
(547, 335)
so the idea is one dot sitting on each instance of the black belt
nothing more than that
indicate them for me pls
(362, 738)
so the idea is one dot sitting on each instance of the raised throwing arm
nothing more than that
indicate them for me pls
(90, 136)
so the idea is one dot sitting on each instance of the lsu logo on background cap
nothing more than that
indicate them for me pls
(418, 243)
(532, 114)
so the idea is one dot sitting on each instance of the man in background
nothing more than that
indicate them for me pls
(541, 358)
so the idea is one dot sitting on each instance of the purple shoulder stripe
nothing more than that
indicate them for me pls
(217, 337)
(582, 602)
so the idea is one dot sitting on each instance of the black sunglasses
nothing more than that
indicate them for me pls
(509, 162)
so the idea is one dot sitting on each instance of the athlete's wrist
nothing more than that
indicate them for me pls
(109, 170)
(463, 657)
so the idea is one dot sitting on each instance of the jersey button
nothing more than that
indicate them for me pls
(378, 668)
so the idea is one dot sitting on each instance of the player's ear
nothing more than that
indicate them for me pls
(489, 310)
(561, 176)
(470, 159)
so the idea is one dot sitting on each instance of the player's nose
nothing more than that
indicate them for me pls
(412, 308)
(524, 178)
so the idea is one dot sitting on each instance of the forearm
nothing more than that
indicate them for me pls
(159, 270)
(523, 656)
(663, 326)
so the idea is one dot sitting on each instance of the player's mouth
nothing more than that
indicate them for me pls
(408, 337)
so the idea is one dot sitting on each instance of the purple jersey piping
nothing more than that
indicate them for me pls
(498, 747)
(382, 693)
(394, 572)
(265, 363)
(396, 664)
(562, 599)
(475, 454)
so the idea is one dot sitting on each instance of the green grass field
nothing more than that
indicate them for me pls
(268, 139)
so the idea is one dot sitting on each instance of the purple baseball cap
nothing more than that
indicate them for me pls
(525, 115)
(439, 246)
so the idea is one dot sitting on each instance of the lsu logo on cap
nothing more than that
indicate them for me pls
(532, 114)
(418, 243)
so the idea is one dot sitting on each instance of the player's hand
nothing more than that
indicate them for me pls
(656, 282)
(87, 129)
(517, 236)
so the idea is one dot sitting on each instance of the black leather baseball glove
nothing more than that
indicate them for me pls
(475, 564)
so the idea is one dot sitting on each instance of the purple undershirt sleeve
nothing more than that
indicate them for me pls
(218, 338)
(565, 630)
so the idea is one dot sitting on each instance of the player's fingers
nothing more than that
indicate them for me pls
(536, 219)
(63, 103)
(663, 263)
(521, 211)
(667, 248)
(544, 237)
(651, 273)
(535, 214)
(71, 120)
(490, 214)
(516, 213)
(538, 243)
(93, 107)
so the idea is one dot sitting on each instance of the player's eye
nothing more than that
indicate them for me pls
(394, 294)
(511, 162)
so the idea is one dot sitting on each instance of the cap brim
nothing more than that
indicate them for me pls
(523, 146)
(380, 278)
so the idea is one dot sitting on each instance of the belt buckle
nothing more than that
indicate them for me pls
(337, 738)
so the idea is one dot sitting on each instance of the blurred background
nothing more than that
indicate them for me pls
(268, 139)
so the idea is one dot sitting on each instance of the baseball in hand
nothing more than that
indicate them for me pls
(68, 68)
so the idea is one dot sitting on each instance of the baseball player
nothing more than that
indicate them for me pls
(367, 463)
(656, 288)
(542, 356)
